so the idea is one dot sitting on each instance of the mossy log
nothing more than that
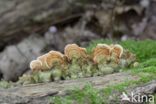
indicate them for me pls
(39, 93)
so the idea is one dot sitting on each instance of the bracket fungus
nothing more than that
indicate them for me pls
(104, 52)
(77, 63)
(47, 61)
(101, 53)
(74, 51)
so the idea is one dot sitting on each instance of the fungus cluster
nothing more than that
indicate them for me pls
(77, 63)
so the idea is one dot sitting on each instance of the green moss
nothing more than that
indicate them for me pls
(149, 62)
(151, 70)
(87, 95)
(5, 84)
(148, 66)
(143, 49)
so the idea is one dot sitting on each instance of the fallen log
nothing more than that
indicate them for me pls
(148, 88)
(141, 94)
(38, 93)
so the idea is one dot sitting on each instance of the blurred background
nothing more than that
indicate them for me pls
(30, 28)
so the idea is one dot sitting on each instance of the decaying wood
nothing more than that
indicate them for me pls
(38, 93)
(147, 89)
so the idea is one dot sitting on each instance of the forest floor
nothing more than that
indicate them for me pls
(141, 75)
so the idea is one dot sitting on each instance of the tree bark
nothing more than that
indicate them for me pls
(148, 89)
